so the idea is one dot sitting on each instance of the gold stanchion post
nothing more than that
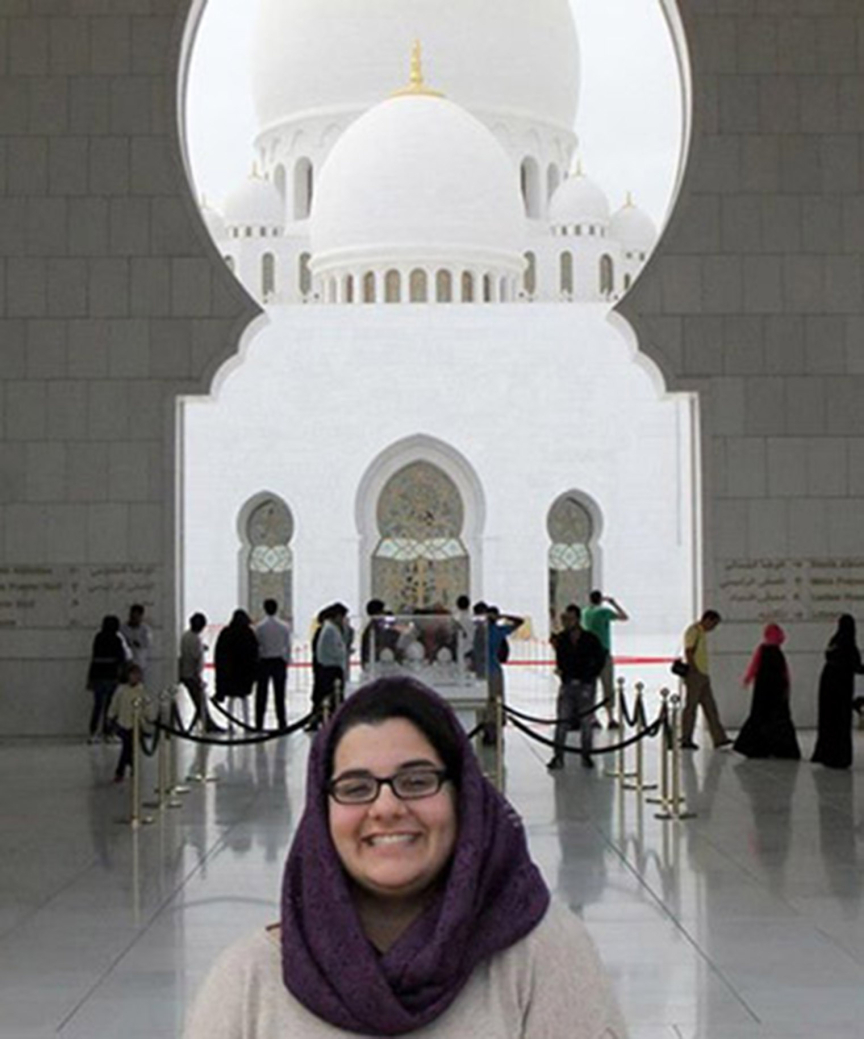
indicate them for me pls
(136, 818)
(676, 799)
(639, 783)
(618, 771)
(663, 798)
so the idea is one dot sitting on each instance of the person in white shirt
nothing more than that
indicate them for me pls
(274, 656)
(139, 638)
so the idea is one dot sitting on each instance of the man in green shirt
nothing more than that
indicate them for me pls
(597, 618)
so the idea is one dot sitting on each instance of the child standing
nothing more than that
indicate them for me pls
(121, 713)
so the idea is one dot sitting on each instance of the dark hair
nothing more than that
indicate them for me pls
(375, 607)
(480, 608)
(463, 602)
(712, 615)
(399, 697)
(197, 622)
(596, 597)
(111, 624)
(270, 607)
(574, 610)
(845, 632)
(240, 618)
(136, 607)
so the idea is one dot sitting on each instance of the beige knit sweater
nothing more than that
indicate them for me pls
(550, 985)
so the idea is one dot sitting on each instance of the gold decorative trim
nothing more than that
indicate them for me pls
(417, 85)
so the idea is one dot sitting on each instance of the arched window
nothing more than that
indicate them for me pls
(530, 275)
(571, 531)
(487, 288)
(567, 272)
(348, 287)
(392, 287)
(531, 192)
(303, 185)
(420, 559)
(444, 287)
(628, 281)
(503, 289)
(229, 262)
(553, 180)
(269, 561)
(369, 287)
(268, 275)
(607, 276)
(467, 287)
(418, 286)
(304, 275)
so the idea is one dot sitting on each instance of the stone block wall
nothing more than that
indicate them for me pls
(112, 302)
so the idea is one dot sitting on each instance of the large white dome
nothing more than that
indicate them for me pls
(633, 228)
(516, 56)
(255, 203)
(579, 200)
(418, 175)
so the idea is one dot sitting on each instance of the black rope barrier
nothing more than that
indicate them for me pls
(148, 749)
(553, 721)
(651, 731)
(476, 730)
(631, 719)
(271, 734)
(236, 721)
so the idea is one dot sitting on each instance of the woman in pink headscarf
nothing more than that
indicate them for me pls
(769, 732)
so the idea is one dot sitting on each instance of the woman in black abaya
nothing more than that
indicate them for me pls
(769, 732)
(836, 689)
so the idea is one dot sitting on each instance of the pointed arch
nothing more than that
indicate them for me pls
(455, 466)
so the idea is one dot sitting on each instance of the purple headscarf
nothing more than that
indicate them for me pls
(492, 897)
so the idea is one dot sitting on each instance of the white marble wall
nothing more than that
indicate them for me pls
(112, 301)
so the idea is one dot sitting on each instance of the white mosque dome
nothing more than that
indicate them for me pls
(578, 200)
(418, 176)
(511, 57)
(256, 203)
(633, 228)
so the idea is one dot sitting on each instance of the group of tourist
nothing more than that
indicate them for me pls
(115, 647)
(769, 731)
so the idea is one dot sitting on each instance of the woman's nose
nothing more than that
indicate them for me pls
(387, 803)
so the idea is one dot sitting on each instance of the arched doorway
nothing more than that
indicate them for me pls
(266, 559)
(572, 533)
(420, 559)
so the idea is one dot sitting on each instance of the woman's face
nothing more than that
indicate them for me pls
(392, 848)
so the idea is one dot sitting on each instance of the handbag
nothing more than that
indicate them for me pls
(680, 667)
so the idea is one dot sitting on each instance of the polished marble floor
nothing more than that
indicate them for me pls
(744, 921)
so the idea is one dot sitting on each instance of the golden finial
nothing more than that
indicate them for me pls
(417, 86)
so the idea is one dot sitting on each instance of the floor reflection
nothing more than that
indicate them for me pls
(744, 921)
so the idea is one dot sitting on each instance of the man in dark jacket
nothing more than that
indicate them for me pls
(579, 658)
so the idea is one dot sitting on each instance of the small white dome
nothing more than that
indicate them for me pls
(214, 220)
(256, 203)
(579, 201)
(414, 177)
(633, 228)
(330, 55)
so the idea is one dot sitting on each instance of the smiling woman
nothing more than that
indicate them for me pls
(410, 903)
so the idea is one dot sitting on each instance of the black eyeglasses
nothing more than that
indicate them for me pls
(411, 785)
